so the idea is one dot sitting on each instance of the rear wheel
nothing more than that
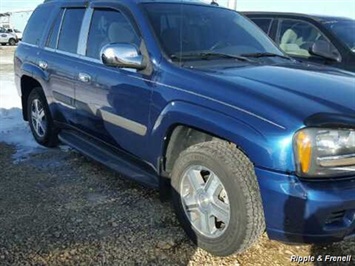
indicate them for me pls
(40, 119)
(217, 198)
(12, 41)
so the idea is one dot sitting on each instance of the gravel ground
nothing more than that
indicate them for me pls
(59, 208)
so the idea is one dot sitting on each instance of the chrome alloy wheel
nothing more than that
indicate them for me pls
(205, 201)
(38, 118)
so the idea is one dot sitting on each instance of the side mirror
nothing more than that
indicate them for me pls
(326, 50)
(122, 55)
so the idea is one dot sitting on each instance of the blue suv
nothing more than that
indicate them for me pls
(196, 100)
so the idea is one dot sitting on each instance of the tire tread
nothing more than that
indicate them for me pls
(241, 167)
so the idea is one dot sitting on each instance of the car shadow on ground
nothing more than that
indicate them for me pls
(336, 254)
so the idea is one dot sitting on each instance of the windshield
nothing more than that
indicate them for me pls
(17, 31)
(186, 29)
(344, 30)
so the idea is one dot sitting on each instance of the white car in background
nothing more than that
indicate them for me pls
(16, 32)
(7, 38)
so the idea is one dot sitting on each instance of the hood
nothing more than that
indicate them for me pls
(286, 95)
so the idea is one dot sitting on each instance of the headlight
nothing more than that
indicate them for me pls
(323, 152)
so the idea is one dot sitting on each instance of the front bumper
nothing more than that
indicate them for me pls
(307, 212)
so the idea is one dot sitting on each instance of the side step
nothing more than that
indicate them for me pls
(115, 159)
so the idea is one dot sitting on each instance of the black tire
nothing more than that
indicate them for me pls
(236, 173)
(12, 42)
(49, 136)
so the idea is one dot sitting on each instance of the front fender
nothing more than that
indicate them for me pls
(257, 147)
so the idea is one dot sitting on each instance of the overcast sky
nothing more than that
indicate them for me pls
(344, 8)
(10, 5)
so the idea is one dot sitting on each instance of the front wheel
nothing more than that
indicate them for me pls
(40, 119)
(217, 198)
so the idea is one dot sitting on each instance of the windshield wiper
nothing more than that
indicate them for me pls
(207, 56)
(258, 55)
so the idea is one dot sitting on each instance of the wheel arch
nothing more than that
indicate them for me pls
(182, 136)
(32, 77)
(182, 125)
(28, 83)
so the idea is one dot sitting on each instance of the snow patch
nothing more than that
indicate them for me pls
(9, 97)
(13, 129)
(7, 61)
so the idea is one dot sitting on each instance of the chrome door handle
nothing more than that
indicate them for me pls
(43, 65)
(84, 77)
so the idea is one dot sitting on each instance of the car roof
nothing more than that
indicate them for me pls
(138, 1)
(320, 18)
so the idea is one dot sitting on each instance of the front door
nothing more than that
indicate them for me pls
(112, 104)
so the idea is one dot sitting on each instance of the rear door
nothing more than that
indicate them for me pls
(60, 60)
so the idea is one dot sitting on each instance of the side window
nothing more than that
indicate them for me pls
(263, 23)
(53, 35)
(109, 26)
(70, 31)
(36, 25)
(297, 37)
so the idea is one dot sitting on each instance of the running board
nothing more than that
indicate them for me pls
(113, 158)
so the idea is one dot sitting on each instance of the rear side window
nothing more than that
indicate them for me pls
(37, 24)
(263, 23)
(70, 31)
(53, 35)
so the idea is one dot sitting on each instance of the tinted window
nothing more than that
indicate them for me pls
(263, 23)
(344, 30)
(70, 31)
(297, 37)
(109, 26)
(53, 35)
(191, 29)
(37, 24)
